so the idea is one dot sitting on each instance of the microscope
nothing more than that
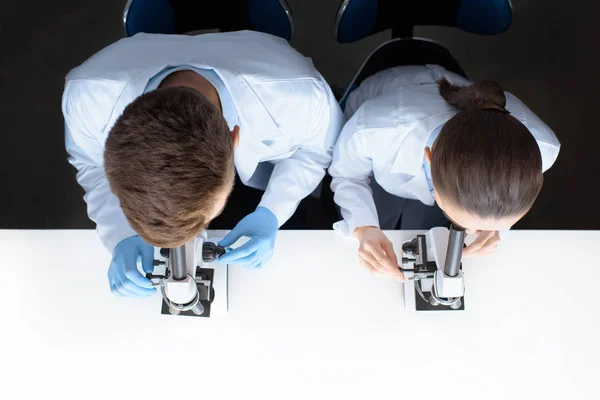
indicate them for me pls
(189, 285)
(433, 270)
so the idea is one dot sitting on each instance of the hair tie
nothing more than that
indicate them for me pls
(499, 109)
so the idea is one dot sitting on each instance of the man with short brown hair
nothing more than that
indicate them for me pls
(171, 174)
(158, 125)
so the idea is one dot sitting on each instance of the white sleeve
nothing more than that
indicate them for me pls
(351, 170)
(86, 154)
(299, 175)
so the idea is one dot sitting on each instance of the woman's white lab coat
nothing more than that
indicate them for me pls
(289, 118)
(391, 115)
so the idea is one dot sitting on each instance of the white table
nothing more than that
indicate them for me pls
(311, 325)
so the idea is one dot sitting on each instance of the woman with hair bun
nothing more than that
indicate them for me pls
(424, 147)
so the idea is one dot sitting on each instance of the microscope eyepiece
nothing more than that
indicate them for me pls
(210, 251)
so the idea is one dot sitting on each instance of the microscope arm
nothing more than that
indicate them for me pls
(180, 289)
(456, 241)
(448, 285)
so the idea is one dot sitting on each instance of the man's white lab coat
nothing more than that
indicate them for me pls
(391, 115)
(289, 118)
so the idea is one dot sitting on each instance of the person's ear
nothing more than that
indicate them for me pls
(428, 155)
(235, 136)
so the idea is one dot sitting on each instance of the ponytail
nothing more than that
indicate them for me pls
(484, 95)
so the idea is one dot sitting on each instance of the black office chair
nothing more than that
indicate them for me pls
(183, 16)
(357, 19)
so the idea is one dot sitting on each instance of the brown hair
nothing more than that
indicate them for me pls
(165, 158)
(484, 160)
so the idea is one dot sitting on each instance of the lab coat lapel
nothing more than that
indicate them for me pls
(409, 159)
(134, 89)
(257, 126)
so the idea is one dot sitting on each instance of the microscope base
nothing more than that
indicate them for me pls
(215, 305)
(422, 305)
(414, 302)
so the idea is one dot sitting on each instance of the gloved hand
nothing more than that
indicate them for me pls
(123, 276)
(261, 227)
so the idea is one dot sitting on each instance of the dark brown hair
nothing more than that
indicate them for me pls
(165, 158)
(484, 160)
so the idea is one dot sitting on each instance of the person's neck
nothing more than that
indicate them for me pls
(195, 81)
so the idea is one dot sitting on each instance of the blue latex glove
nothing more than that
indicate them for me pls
(123, 275)
(261, 227)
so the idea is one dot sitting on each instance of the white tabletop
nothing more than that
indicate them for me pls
(311, 324)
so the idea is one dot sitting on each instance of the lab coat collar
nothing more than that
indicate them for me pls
(411, 162)
(252, 114)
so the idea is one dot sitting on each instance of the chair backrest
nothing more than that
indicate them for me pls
(182, 16)
(271, 16)
(148, 16)
(357, 19)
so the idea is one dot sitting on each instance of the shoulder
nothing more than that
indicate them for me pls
(87, 104)
(543, 134)
(401, 95)
(402, 110)
(413, 76)
(410, 82)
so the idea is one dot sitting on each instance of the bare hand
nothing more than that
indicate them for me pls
(376, 253)
(485, 244)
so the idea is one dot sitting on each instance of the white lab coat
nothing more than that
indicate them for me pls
(391, 115)
(287, 113)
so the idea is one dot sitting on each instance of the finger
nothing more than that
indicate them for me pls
(486, 253)
(262, 260)
(247, 262)
(123, 281)
(138, 279)
(138, 291)
(232, 237)
(491, 244)
(148, 259)
(369, 267)
(122, 290)
(234, 256)
(127, 271)
(113, 290)
(254, 261)
(366, 255)
(383, 270)
(489, 247)
(390, 269)
(477, 243)
(388, 247)
(382, 260)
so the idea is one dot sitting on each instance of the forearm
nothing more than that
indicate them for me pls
(103, 207)
(355, 199)
(292, 180)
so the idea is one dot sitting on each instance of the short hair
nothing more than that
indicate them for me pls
(485, 161)
(165, 158)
